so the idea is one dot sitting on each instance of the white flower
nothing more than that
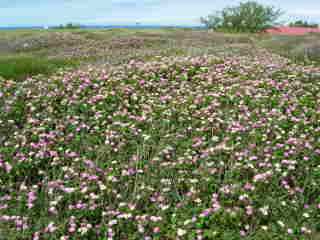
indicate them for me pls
(306, 215)
(83, 230)
(102, 187)
(281, 224)
(264, 210)
(215, 139)
(181, 232)
(187, 222)
(112, 222)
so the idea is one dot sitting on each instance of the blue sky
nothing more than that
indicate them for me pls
(117, 12)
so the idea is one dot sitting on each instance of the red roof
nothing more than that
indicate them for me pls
(292, 30)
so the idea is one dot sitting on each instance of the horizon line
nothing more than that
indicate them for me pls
(104, 25)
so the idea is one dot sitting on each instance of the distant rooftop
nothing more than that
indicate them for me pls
(292, 30)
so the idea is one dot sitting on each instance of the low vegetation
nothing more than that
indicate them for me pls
(304, 49)
(158, 134)
(26, 53)
(22, 66)
(177, 148)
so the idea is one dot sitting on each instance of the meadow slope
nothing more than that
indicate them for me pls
(207, 146)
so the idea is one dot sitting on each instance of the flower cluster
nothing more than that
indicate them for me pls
(179, 148)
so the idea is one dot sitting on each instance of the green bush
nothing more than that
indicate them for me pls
(249, 16)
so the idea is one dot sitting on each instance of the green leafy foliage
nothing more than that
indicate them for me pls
(248, 16)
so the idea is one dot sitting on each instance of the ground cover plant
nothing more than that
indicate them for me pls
(177, 147)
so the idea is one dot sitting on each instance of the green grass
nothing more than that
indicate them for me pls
(120, 45)
(22, 66)
(302, 49)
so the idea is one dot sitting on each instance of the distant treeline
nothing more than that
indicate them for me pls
(68, 26)
(301, 23)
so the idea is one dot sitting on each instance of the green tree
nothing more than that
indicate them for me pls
(248, 16)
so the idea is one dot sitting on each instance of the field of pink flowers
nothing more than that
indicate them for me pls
(177, 148)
